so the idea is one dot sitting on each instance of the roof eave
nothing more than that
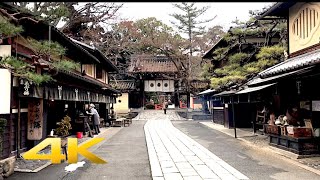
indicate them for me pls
(207, 55)
(112, 66)
(279, 9)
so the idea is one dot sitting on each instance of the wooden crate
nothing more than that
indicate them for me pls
(300, 132)
(272, 129)
(158, 106)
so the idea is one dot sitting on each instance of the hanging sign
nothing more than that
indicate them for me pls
(35, 119)
(59, 91)
(77, 97)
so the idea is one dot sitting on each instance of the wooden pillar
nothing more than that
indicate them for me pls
(18, 128)
(233, 118)
(10, 118)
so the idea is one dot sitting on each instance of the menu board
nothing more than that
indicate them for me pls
(35, 119)
(315, 105)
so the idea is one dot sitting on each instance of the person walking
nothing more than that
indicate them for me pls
(96, 118)
(164, 106)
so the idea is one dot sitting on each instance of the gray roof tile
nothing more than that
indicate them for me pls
(292, 64)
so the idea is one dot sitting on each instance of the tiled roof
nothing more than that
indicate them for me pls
(293, 64)
(148, 63)
(123, 85)
(226, 93)
(252, 89)
(279, 9)
(208, 91)
(258, 81)
(109, 66)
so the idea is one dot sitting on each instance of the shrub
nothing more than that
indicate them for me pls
(149, 106)
(64, 126)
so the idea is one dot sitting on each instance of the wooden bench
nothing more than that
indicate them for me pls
(118, 122)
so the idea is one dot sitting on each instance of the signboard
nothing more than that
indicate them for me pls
(5, 91)
(5, 50)
(315, 105)
(35, 119)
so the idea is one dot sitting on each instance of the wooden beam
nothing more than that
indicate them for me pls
(273, 18)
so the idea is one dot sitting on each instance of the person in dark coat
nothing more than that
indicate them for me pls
(165, 106)
(96, 118)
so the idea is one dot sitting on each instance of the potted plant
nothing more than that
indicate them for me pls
(63, 129)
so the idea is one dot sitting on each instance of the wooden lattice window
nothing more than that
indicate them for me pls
(305, 23)
(99, 74)
(88, 69)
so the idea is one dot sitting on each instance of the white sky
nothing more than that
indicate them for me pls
(226, 12)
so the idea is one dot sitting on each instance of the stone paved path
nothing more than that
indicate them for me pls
(158, 115)
(173, 156)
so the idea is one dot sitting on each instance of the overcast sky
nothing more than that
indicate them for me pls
(226, 12)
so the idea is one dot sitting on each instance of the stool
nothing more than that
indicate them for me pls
(126, 121)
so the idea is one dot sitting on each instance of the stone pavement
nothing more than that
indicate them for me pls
(173, 155)
(158, 115)
(262, 141)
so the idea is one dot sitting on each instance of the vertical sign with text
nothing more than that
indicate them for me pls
(35, 119)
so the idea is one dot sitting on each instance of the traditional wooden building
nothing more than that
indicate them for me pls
(32, 111)
(245, 106)
(286, 91)
(296, 94)
(158, 79)
(196, 102)
(129, 98)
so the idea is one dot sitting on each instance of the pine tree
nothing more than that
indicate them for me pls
(188, 23)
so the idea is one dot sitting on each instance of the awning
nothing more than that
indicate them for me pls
(256, 81)
(225, 93)
(207, 91)
(252, 89)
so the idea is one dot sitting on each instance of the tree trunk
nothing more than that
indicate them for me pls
(188, 99)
